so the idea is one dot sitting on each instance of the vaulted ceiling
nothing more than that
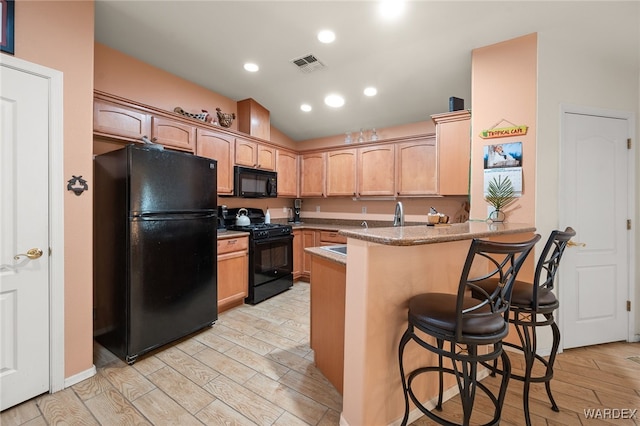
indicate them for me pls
(416, 61)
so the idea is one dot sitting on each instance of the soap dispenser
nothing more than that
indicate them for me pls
(267, 216)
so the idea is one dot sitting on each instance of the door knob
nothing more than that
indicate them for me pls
(32, 254)
(574, 244)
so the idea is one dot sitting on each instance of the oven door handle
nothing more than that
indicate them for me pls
(273, 240)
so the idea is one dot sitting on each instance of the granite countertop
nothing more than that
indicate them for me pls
(323, 226)
(231, 234)
(423, 234)
(329, 255)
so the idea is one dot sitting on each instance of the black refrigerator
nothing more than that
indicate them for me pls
(155, 269)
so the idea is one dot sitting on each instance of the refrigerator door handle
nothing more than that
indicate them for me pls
(175, 216)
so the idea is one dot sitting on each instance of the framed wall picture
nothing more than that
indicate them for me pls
(6, 25)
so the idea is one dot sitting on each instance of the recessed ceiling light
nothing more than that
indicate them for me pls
(326, 36)
(391, 9)
(251, 67)
(334, 101)
(305, 107)
(370, 91)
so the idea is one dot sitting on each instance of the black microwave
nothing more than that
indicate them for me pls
(254, 183)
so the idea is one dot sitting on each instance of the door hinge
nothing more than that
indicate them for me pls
(628, 305)
(628, 224)
(628, 143)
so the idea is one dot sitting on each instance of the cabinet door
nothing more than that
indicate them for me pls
(266, 157)
(287, 168)
(312, 175)
(172, 133)
(246, 153)
(233, 272)
(453, 134)
(298, 253)
(119, 121)
(309, 239)
(220, 147)
(376, 170)
(331, 238)
(416, 168)
(341, 173)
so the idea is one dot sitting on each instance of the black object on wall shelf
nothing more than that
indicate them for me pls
(455, 104)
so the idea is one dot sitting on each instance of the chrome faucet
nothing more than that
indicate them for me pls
(365, 225)
(398, 217)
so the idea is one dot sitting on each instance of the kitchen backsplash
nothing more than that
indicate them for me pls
(415, 209)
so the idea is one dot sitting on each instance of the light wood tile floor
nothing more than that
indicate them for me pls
(254, 366)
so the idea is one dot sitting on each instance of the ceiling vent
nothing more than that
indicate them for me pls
(308, 63)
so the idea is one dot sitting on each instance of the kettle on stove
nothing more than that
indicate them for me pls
(242, 218)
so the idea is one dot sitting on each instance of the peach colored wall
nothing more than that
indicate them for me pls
(280, 138)
(128, 77)
(504, 87)
(59, 35)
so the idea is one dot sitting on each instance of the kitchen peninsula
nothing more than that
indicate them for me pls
(385, 267)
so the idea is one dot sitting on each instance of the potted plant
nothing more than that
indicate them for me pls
(500, 193)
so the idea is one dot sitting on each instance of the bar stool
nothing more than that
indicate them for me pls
(532, 306)
(466, 324)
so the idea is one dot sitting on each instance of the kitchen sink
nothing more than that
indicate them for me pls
(337, 249)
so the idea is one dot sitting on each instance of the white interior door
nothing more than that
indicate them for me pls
(594, 187)
(24, 226)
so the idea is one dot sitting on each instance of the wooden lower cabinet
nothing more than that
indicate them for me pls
(233, 272)
(310, 238)
(328, 284)
(331, 238)
(298, 253)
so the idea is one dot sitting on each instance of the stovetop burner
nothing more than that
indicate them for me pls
(264, 230)
(257, 228)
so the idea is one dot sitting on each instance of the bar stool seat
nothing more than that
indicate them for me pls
(437, 311)
(465, 324)
(532, 307)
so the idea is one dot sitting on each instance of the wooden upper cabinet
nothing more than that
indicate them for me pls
(266, 157)
(341, 173)
(253, 154)
(312, 175)
(453, 134)
(376, 170)
(416, 167)
(254, 119)
(173, 133)
(220, 147)
(119, 121)
(287, 168)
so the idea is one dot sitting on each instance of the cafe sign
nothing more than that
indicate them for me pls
(502, 132)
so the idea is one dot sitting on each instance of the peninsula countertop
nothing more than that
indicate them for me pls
(423, 234)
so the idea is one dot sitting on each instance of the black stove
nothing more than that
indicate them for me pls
(270, 254)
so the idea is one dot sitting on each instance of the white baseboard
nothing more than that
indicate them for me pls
(77, 378)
